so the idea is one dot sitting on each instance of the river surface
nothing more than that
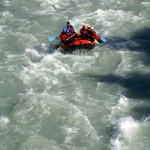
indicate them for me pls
(88, 100)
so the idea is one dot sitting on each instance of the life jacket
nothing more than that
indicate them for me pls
(83, 32)
(65, 36)
(96, 36)
(91, 34)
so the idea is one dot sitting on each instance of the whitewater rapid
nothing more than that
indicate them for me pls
(93, 100)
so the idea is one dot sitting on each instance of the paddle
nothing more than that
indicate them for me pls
(71, 36)
(52, 38)
(103, 39)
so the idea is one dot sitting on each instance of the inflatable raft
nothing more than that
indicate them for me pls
(78, 43)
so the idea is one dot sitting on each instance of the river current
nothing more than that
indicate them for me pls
(88, 100)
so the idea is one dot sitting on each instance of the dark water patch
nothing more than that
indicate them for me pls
(146, 60)
(138, 41)
(137, 84)
(51, 48)
(142, 37)
(111, 131)
(143, 34)
(141, 111)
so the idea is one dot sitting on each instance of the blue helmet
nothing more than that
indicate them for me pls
(65, 30)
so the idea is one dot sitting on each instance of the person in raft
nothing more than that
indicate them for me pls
(65, 36)
(70, 27)
(83, 32)
(92, 35)
(71, 30)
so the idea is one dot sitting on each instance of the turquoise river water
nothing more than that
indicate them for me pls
(93, 100)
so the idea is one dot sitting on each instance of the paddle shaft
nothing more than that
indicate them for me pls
(71, 36)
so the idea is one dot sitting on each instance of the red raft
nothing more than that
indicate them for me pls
(78, 43)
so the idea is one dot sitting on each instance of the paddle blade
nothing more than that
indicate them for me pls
(103, 39)
(51, 39)
(95, 41)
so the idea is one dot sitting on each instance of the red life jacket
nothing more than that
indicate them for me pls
(83, 32)
(65, 36)
(96, 36)
(93, 35)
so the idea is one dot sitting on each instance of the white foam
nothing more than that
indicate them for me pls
(32, 52)
(49, 6)
(70, 133)
(46, 70)
(118, 110)
(122, 104)
(7, 14)
(53, 2)
(58, 66)
(3, 121)
(6, 2)
(145, 3)
(127, 128)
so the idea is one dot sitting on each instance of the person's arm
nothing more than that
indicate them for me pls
(63, 37)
